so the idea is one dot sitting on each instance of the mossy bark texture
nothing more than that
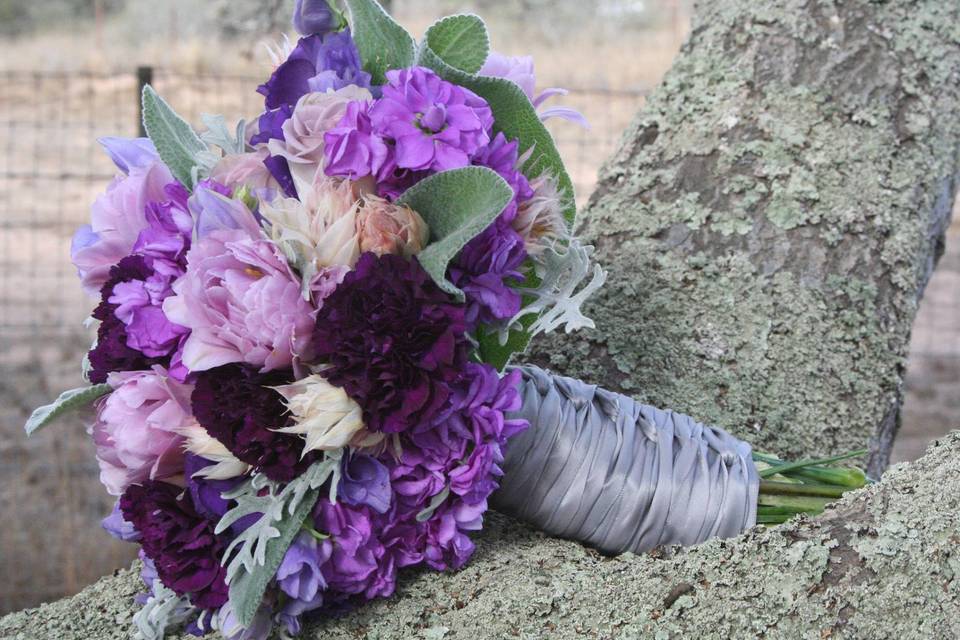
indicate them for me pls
(769, 223)
(771, 218)
(881, 563)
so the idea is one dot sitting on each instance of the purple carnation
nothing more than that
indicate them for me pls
(317, 63)
(359, 564)
(391, 338)
(352, 149)
(178, 540)
(236, 405)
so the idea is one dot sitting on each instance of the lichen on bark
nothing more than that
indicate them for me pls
(771, 218)
(881, 563)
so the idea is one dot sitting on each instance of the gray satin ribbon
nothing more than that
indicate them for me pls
(597, 467)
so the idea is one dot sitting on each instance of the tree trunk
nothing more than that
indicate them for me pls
(769, 224)
(882, 563)
(771, 218)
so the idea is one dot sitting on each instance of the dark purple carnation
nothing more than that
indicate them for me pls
(236, 405)
(178, 540)
(317, 63)
(392, 339)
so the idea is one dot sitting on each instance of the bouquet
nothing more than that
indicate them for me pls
(300, 374)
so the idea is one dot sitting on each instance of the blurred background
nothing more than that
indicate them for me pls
(69, 73)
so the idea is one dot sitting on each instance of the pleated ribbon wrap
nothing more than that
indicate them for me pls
(598, 467)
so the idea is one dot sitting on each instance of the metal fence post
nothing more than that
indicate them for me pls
(144, 77)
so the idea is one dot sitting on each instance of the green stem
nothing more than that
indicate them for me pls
(780, 467)
(785, 488)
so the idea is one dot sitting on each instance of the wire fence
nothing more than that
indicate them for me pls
(51, 170)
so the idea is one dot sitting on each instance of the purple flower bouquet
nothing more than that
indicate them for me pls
(303, 320)
(300, 375)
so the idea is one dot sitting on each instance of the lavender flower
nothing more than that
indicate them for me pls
(314, 17)
(519, 69)
(365, 481)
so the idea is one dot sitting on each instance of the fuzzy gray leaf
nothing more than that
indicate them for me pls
(67, 402)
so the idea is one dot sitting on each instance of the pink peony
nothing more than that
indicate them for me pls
(384, 227)
(242, 303)
(136, 430)
(245, 170)
(314, 115)
(118, 216)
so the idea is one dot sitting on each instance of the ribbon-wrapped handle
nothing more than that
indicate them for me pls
(598, 467)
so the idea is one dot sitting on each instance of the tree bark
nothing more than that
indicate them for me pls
(771, 218)
(881, 563)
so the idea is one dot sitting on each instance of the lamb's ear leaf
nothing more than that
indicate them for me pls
(176, 142)
(383, 44)
(67, 402)
(457, 205)
(514, 115)
(461, 41)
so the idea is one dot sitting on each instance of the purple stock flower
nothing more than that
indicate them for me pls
(236, 405)
(314, 17)
(317, 63)
(365, 481)
(178, 540)
(502, 156)
(391, 337)
(353, 150)
(484, 270)
(436, 125)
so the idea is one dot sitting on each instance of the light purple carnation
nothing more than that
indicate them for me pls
(136, 429)
(242, 303)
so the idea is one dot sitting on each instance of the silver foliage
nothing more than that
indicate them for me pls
(164, 609)
(557, 300)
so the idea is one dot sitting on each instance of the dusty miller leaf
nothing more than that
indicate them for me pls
(163, 610)
(383, 44)
(456, 205)
(254, 555)
(461, 41)
(67, 402)
(175, 141)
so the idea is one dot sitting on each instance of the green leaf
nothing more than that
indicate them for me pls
(247, 588)
(67, 402)
(177, 144)
(383, 44)
(461, 41)
(498, 355)
(457, 205)
(513, 113)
